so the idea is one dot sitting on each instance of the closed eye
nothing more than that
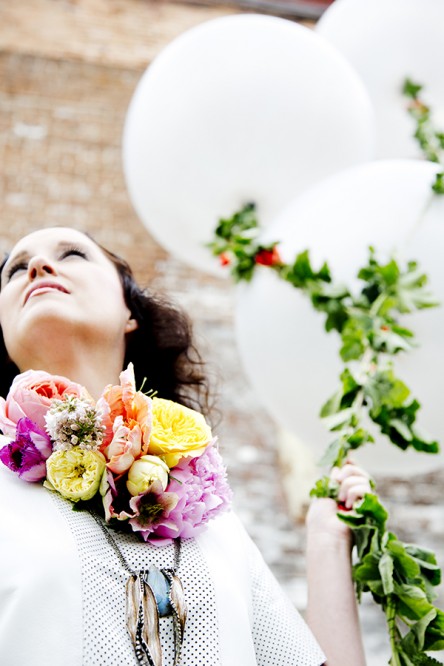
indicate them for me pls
(73, 251)
(20, 265)
(15, 268)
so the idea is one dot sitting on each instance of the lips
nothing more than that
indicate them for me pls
(44, 285)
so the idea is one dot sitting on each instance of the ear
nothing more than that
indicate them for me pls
(131, 325)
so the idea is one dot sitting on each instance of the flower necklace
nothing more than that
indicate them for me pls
(148, 465)
(152, 593)
(145, 464)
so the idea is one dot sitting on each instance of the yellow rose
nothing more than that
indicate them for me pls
(177, 431)
(144, 472)
(75, 473)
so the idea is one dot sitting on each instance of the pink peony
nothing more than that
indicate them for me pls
(127, 416)
(30, 396)
(203, 492)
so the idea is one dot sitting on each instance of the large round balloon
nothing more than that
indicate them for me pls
(291, 361)
(241, 108)
(387, 41)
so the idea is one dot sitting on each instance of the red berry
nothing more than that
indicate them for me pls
(268, 257)
(224, 259)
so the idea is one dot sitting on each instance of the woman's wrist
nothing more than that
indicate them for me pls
(325, 542)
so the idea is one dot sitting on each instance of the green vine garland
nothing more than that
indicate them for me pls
(430, 140)
(400, 577)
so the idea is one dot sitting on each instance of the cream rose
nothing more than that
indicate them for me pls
(75, 474)
(144, 472)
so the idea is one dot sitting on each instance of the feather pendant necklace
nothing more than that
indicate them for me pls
(150, 594)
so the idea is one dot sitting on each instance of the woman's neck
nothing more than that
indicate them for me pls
(92, 368)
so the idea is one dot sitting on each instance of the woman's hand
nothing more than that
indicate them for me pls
(322, 521)
(331, 596)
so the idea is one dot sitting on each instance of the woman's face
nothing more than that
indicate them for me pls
(57, 282)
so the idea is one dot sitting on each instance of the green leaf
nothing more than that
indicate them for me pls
(425, 660)
(434, 636)
(426, 560)
(350, 387)
(384, 389)
(332, 405)
(301, 271)
(418, 630)
(390, 273)
(363, 536)
(334, 454)
(373, 510)
(353, 520)
(243, 220)
(411, 89)
(405, 563)
(325, 487)
(338, 420)
(354, 340)
(385, 566)
(388, 420)
(402, 429)
(415, 602)
(390, 339)
(337, 315)
(438, 185)
(422, 659)
(367, 570)
(358, 438)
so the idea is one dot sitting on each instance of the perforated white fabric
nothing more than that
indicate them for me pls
(279, 633)
(106, 640)
(62, 580)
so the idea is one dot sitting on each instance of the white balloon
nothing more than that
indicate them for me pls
(290, 360)
(241, 108)
(387, 41)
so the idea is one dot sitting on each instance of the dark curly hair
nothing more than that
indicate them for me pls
(161, 349)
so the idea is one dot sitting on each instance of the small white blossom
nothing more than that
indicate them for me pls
(74, 422)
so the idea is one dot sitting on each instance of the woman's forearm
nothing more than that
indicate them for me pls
(332, 612)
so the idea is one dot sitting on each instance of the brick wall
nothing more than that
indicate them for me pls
(61, 122)
(67, 73)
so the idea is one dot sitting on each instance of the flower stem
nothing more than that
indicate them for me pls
(390, 613)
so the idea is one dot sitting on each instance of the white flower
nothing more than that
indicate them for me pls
(74, 422)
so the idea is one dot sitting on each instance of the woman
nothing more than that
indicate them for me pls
(71, 308)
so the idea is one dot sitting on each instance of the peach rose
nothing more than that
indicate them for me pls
(31, 395)
(126, 414)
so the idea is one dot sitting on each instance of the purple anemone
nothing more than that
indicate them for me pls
(27, 454)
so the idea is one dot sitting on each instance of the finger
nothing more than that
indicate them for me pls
(351, 470)
(356, 493)
(351, 482)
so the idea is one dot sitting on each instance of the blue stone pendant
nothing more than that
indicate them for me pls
(160, 586)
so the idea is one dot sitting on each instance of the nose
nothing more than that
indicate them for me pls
(39, 266)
